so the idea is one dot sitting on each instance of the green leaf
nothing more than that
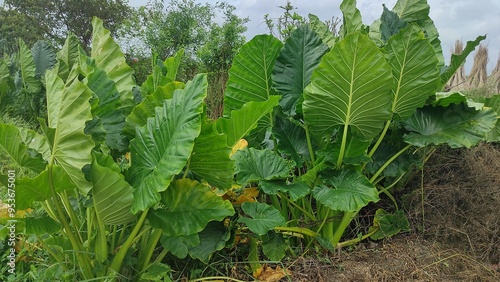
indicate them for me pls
(411, 10)
(397, 167)
(254, 165)
(494, 103)
(110, 58)
(432, 34)
(162, 147)
(291, 140)
(263, 217)
(68, 56)
(355, 151)
(179, 246)
(146, 109)
(417, 11)
(352, 21)
(296, 190)
(28, 69)
(112, 196)
(107, 110)
(350, 87)
(29, 190)
(12, 145)
(458, 60)
(390, 24)
(322, 30)
(457, 126)
(163, 74)
(190, 207)
(68, 109)
(350, 192)
(388, 225)
(250, 74)
(294, 66)
(157, 271)
(44, 57)
(36, 142)
(213, 238)
(41, 225)
(210, 158)
(414, 68)
(244, 120)
(274, 246)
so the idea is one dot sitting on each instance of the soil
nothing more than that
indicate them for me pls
(455, 233)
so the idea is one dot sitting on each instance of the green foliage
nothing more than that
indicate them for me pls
(332, 123)
(97, 191)
(54, 20)
(351, 112)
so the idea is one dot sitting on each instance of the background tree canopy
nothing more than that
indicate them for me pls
(32, 20)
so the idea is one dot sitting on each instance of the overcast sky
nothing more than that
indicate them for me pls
(454, 19)
(457, 19)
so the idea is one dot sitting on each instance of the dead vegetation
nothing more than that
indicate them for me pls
(478, 77)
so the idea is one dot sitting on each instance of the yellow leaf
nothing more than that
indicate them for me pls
(242, 144)
(268, 274)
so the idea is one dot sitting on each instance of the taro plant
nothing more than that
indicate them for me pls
(356, 111)
(118, 180)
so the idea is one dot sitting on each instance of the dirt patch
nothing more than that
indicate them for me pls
(461, 201)
(405, 258)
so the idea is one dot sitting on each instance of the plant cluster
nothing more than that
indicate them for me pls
(313, 130)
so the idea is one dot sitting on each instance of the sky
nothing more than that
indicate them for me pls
(454, 19)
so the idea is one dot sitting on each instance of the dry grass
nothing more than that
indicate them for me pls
(457, 81)
(494, 78)
(478, 76)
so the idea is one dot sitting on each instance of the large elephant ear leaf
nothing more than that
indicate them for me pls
(246, 119)
(350, 191)
(68, 56)
(112, 195)
(68, 109)
(191, 206)
(146, 109)
(255, 165)
(352, 21)
(44, 57)
(250, 74)
(29, 190)
(414, 68)
(161, 147)
(113, 121)
(163, 73)
(294, 66)
(110, 58)
(322, 30)
(351, 87)
(494, 103)
(456, 125)
(28, 69)
(210, 158)
(18, 151)
(417, 11)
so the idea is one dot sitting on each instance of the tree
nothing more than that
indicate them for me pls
(54, 19)
(180, 24)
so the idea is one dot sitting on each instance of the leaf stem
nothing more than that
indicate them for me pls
(120, 256)
(388, 162)
(153, 240)
(309, 144)
(82, 258)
